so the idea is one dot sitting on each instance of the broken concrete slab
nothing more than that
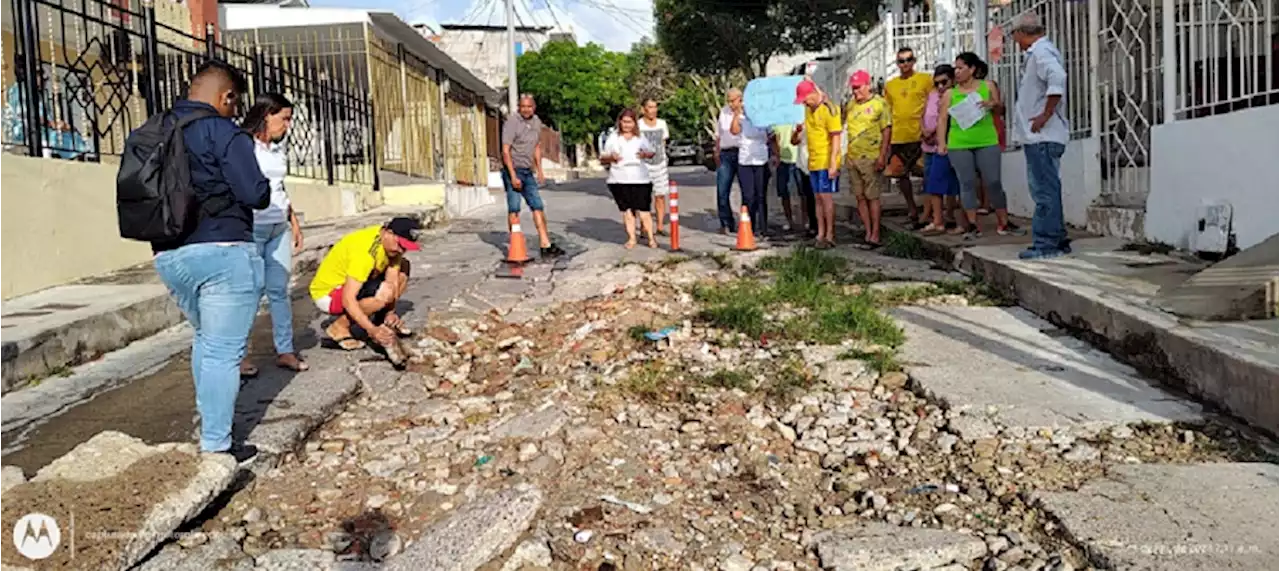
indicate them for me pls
(1234, 289)
(295, 560)
(473, 534)
(220, 552)
(884, 547)
(1159, 517)
(1105, 294)
(838, 373)
(543, 422)
(107, 464)
(11, 476)
(279, 409)
(1007, 367)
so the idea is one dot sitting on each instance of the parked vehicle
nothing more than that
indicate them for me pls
(708, 155)
(679, 152)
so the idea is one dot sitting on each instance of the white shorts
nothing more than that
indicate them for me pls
(658, 174)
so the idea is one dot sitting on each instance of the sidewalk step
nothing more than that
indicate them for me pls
(1108, 296)
(48, 332)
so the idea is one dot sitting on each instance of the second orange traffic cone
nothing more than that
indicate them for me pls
(517, 252)
(746, 238)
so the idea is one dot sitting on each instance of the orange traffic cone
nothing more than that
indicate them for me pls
(746, 238)
(517, 253)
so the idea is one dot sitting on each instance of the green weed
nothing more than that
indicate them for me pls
(727, 379)
(880, 361)
(905, 245)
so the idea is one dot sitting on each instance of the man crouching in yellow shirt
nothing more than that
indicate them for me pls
(360, 280)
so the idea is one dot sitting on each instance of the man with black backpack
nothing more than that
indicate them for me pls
(189, 183)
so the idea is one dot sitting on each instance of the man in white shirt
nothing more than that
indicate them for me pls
(1040, 124)
(728, 139)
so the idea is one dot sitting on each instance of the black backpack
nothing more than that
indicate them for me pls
(155, 200)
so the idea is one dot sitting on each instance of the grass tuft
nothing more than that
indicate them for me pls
(905, 245)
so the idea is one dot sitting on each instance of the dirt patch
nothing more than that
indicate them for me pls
(105, 512)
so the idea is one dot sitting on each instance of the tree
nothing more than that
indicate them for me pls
(579, 89)
(652, 74)
(717, 36)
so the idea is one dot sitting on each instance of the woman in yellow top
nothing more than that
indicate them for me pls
(974, 146)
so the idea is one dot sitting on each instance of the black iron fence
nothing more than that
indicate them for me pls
(87, 72)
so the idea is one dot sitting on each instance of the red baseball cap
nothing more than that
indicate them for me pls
(859, 78)
(804, 89)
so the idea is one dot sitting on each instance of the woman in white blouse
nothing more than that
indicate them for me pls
(626, 152)
(275, 228)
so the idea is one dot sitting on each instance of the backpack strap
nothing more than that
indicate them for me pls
(213, 205)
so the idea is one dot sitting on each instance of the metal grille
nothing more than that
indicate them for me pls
(87, 72)
(1226, 53)
(1129, 83)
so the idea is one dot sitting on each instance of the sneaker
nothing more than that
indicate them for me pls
(972, 235)
(786, 227)
(243, 453)
(552, 251)
(1011, 230)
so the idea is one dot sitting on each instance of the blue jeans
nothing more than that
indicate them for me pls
(217, 287)
(751, 179)
(725, 174)
(528, 190)
(1048, 230)
(275, 251)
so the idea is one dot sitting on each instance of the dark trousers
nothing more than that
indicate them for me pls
(806, 200)
(725, 174)
(751, 178)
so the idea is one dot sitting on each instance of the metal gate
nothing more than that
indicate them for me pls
(1129, 88)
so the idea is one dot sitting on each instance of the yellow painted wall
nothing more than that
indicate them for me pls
(59, 221)
(59, 224)
(414, 195)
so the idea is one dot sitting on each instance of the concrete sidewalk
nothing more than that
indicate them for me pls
(1109, 295)
(48, 332)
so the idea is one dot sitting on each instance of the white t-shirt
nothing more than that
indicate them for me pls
(753, 144)
(630, 168)
(657, 135)
(727, 139)
(274, 165)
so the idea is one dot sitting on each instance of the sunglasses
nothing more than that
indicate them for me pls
(906, 60)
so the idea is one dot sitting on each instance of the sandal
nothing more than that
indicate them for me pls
(345, 343)
(292, 362)
(247, 370)
(403, 330)
(932, 230)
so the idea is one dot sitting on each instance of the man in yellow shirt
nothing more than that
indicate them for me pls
(360, 280)
(868, 125)
(906, 96)
(821, 129)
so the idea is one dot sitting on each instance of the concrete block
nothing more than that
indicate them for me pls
(1105, 295)
(1230, 290)
(883, 547)
(1008, 368)
(1174, 517)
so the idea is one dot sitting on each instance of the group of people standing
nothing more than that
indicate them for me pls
(951, 121)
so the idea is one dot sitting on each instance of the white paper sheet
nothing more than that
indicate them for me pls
(969, 111)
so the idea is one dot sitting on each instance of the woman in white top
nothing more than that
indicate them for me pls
(626, 152)
(753, 161)
(655, 131)
(275, 228)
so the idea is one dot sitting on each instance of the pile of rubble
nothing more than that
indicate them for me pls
(621, 432)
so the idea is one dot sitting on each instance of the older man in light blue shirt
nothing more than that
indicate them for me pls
(1040, 124)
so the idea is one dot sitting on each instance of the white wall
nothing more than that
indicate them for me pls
(1081, 181)
(1230, 157)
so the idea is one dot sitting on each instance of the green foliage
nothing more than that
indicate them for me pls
(905, 245)
(727, 379)
(718, 36)
(579, 89)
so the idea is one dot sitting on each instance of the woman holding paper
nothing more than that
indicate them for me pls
(972, 143)
(626, 152)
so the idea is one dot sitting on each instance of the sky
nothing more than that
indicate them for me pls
(615, 24)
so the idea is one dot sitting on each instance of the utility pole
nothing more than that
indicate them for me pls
(513, 89)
